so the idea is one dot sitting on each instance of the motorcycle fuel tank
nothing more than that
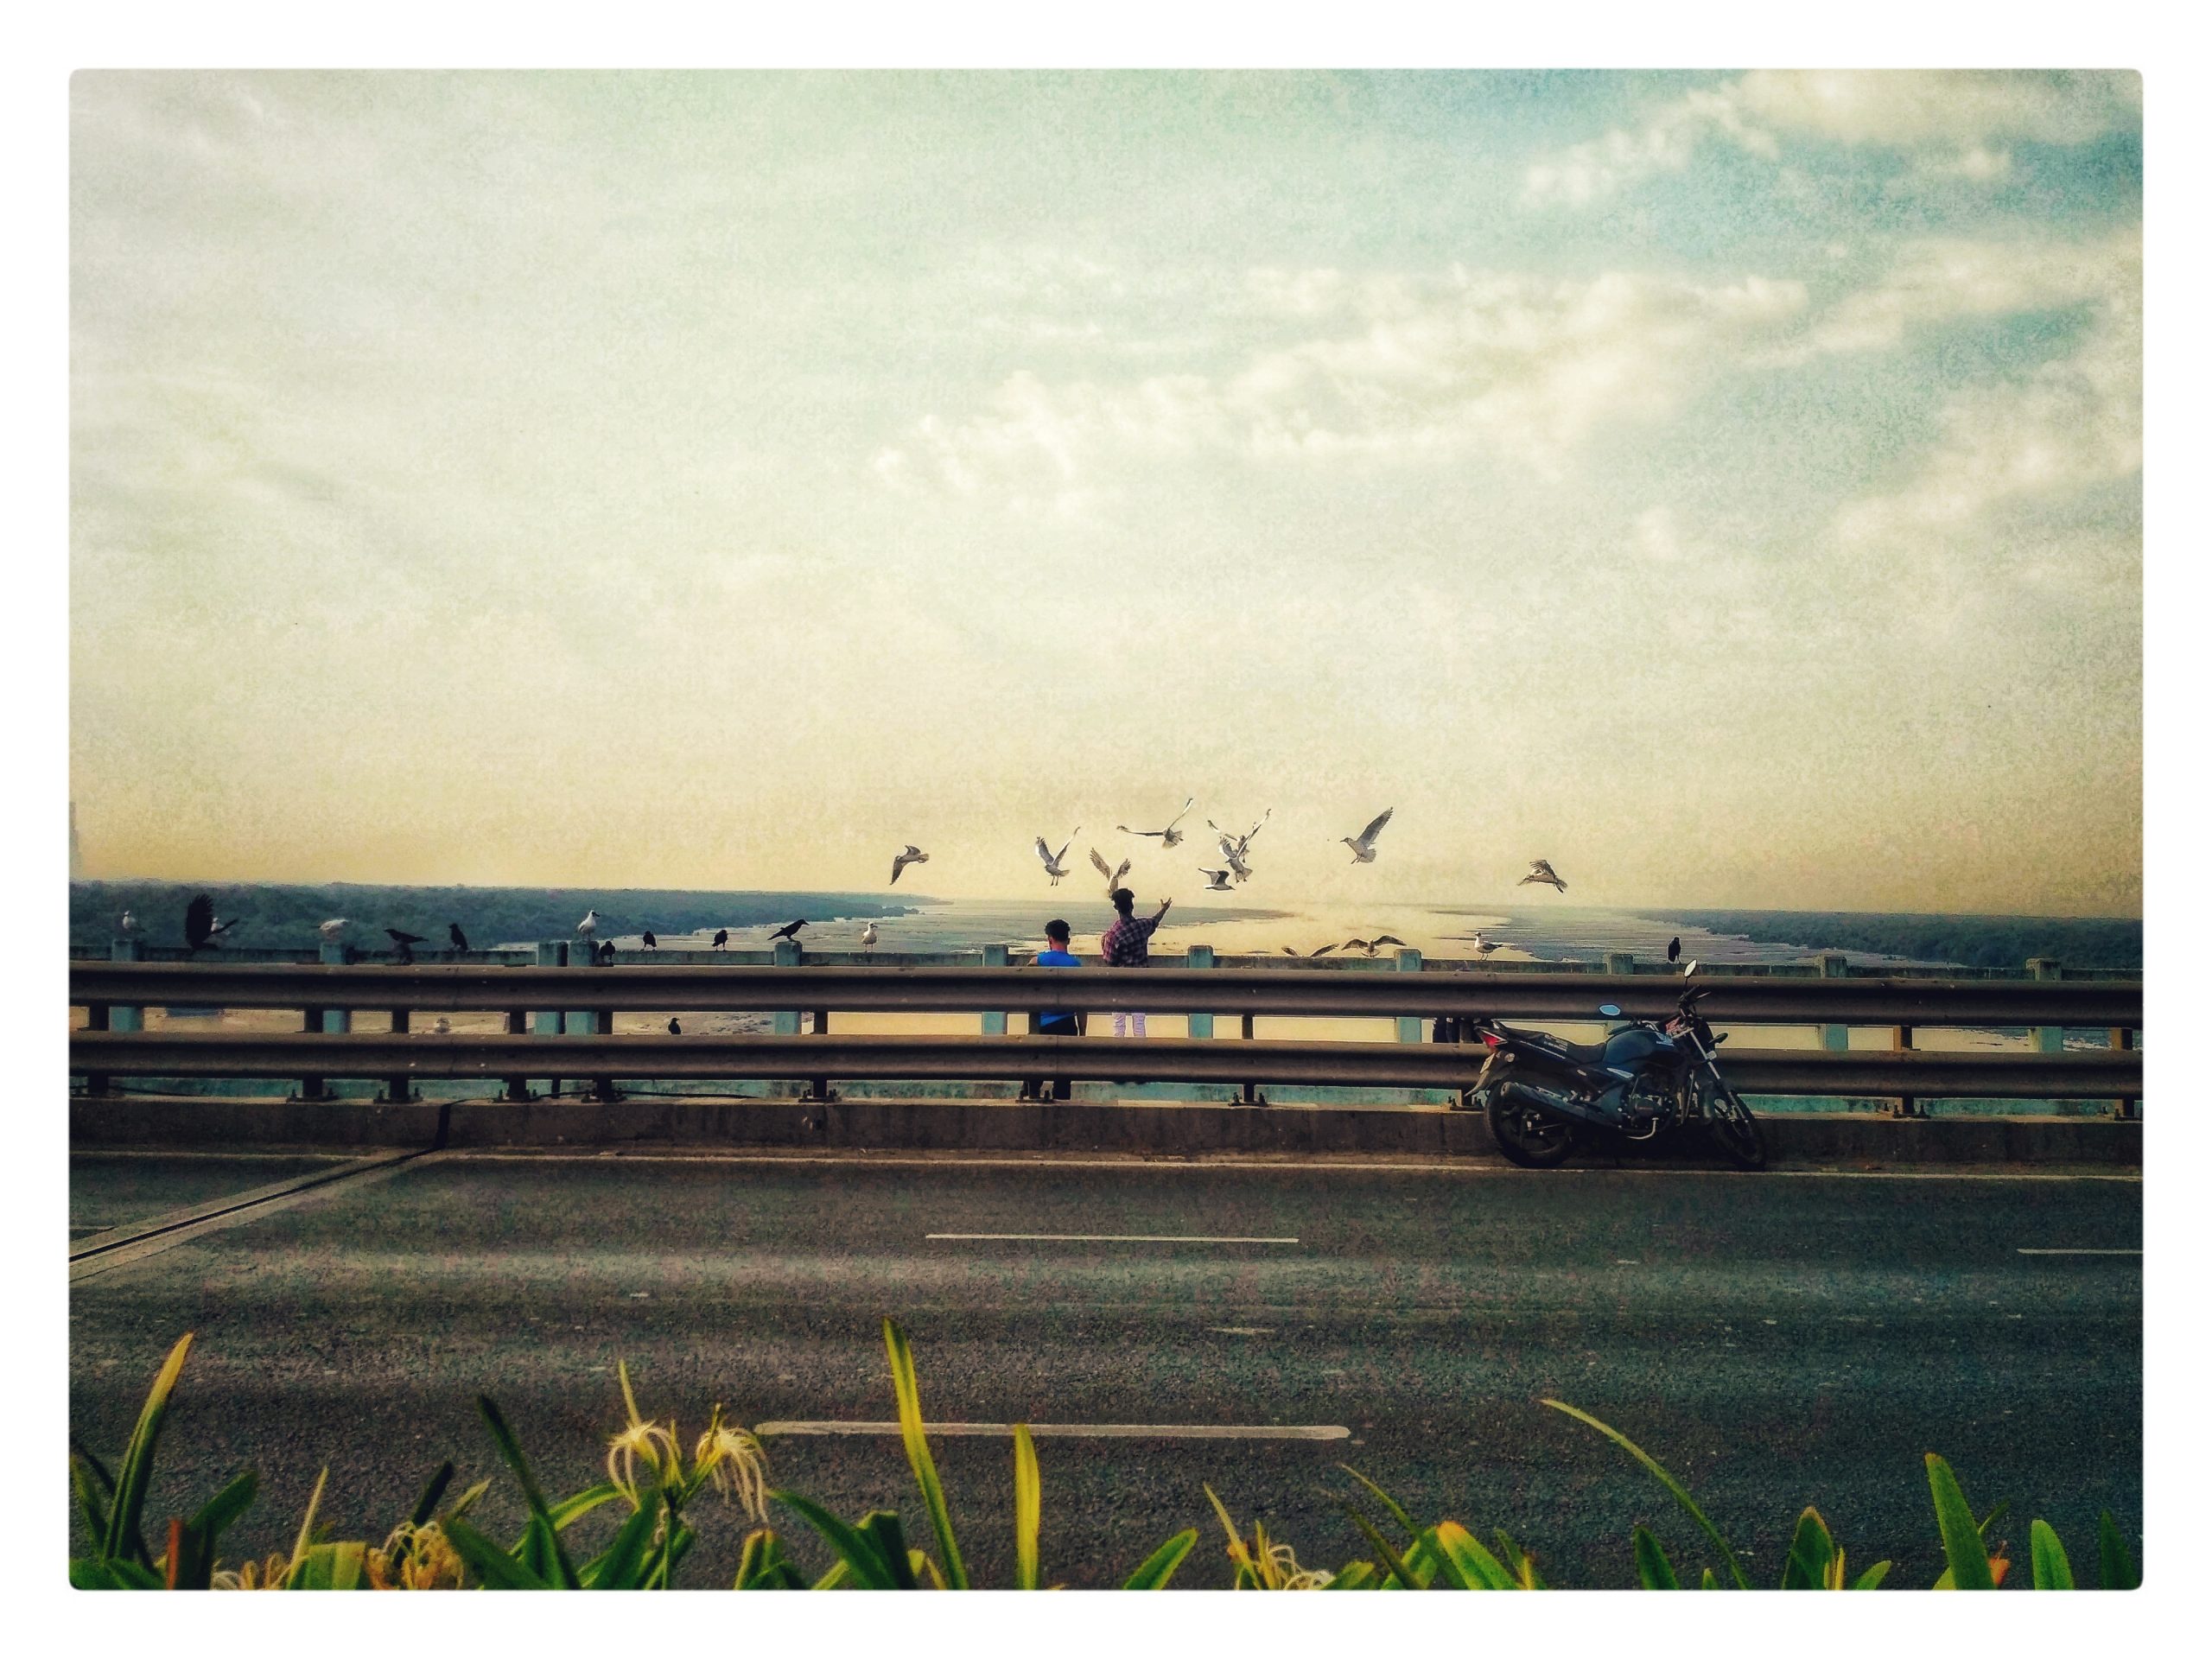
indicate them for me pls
(1632, 1047)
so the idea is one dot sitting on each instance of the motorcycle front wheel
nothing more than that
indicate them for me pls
(1734, 1127)
(1528, 1137)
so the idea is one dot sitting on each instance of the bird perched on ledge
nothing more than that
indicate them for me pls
(460, 939)
(402, 943)
(651, 942)
(788, 930)
(331, 929)
(867, 936)
(721, 938)
(674, 1029)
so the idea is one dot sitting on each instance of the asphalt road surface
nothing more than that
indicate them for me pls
(1775, 1339)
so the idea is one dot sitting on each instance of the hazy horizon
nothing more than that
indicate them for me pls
(1725, 486)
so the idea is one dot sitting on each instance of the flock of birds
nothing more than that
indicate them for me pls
(203, 928)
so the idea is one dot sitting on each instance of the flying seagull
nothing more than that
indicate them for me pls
(1232, 854)
(1542, 873)
(1113, 876)
(1237, 849)
(788, 930)
(460, 939)
(1362, 845)
(867, 936)
(1319, 950)
(402, 943)
(202, 929)
(913, 854)
(1216, 880)
(1371, 946)
(674, 1029)
(332, 928)
(1053, 868)
(589, 926)
(722, 938)
(1675, 948)
(1168, 837)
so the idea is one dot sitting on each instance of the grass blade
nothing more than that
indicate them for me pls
(559, 1570)
(869, 1571)
(616, 1568)
(123, 1538)
(1029, 1508)
(1160, 1566)
(2047, 1556)
(1962, 1546)
(1681, 1493)
(307, 1532)
(2115, 1567)
(1391, 1560)
(1357, 1575)
(1812, 1554)
(881, 1529)
(918, 1450)
(1397, 1511)
(1872, 1577)
(1653, 1570)
(495, 1569)
(583, 1504)
(88, 1501)
(427, 1505)
(1467, 1562)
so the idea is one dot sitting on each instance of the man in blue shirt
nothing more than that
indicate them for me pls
(1057, 1024)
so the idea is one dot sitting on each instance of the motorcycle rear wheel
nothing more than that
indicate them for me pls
(1734, 1127)
(1531, 1138)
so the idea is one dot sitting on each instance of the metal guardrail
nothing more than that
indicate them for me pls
(438, 988)
(2080, 1075)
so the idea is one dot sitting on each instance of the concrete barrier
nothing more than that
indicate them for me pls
(1165, 1129)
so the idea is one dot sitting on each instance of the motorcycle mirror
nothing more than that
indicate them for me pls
(1611, 1011)
(1689, 968)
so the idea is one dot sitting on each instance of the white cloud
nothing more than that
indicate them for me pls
(1954, 122)
(1515, 366)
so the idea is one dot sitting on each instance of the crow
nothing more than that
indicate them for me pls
(651, 944)
(602, 956)
(674, 1029)
(353, 953)
(789, 931)
(1675, 949)
(722, 938)
(401, 943)
(460, 939)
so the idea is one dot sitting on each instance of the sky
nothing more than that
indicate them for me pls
(1727, 486)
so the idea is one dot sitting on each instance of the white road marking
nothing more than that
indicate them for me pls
(2078, 1252)
(1086, 1431)
(1242, 1330)
(1114, 1238)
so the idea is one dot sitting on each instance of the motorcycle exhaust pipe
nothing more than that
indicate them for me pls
(1530, 1093)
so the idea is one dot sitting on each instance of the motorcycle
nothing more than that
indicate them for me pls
(1645, 1080)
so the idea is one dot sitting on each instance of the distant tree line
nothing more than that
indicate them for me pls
(1966, 941)
(277, 916)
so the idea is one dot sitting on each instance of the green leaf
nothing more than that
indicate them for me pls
(869, 1571)
(1653, 1570)
(1356, 1575)
(493, 1566)
(762, 1565)
(881, 1530)
(88, 1500)
(1872, 1577)
(467, 1500)
(834, 1577)
(427, 1505)
(1467, 1564)
(1391, 1558)
(1962, 1547)
(1160, 1566)
(122, 1539)
(1522, 1565)
(195, 1566)
(330, 1567)
(583, 1504)
(307, 1532)
(1681, 1495)
(2048, 1558)
(1811, 1550)
(1398, 1512)
(2115, 1567)
(557, 1568)
(1708, 1582)
(918, 1450)
(1029, 1508)
(617, 1568)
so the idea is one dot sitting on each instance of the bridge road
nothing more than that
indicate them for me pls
(1775, 1339)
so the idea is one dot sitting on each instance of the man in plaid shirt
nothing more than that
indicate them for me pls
(1128, 944)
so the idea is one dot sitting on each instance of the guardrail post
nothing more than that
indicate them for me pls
(96, 1019)
(518, 1025)
(2045, 1039)
(336, 1022)
(1900, 1042)
(2123, 1038)
(1620, 963)
(122, 1018)
(551, 953)
(1199, 1025)
(1409, 1024)
(1251, 1089)
(1835, 965)
(994, 955)
(399, 1089)
(787, 1020)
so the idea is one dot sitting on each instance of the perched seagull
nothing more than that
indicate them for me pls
(460, 939)
(402, 943)
(127, 926)
(1371, 946)
(443, 1026)
(1675, 948)
(332, 928)
(651, 942)
(913, 854)
(674, 1029)
(722, 938)
(589, 926)
(1053, 868)
(867, 936)
(1113, 877)
(788, 930)
(1542, 873)
(1483, 946)
(1216, 880)
(1168, 837)
(1362, 845)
